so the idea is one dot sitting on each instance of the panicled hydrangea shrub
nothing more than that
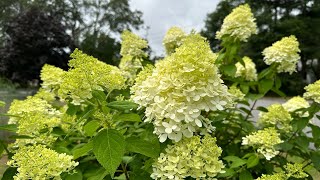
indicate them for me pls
(39, 162)
(239, 24)
(191, 157)
(180, 87)
(248, 72)
(296, 103)
(264, 140)
(313, 91)
(86, 75)
(277, 116)
(173, 39)
(132, 55)
(284, 54)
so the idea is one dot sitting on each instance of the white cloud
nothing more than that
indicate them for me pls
(160, 15)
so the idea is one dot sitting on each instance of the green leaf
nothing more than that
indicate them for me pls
(137, 145)
(263, 109)
(285, 146)
(315, 131)
(277, 82)
(9, 127)
(132, 117)
(109, 147)
(236, 161)
(280, 93)
(252, 161)
(301, 123)
(265, 85)
(244, 88)
(122, 105)
(254, 97)
(245, 175)
(79, 152)
(315, 158)
(72, 109)
(228, 173)
(100, 95)
(98, 174)
(264, 73)
(229, 70)
(91, 127)
(9, 173)
(2, 103)
(74, 176)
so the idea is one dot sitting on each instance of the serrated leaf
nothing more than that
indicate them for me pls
(122, 105)
(252, 161)
(229, 70)
(245, 175)
(132, 117)
(91, 127)
(79, 152)
(109, 147)
(9, 127)
(137, 145)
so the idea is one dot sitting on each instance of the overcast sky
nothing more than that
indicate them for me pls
(160, 15)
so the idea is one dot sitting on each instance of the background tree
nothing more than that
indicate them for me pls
(276, 19)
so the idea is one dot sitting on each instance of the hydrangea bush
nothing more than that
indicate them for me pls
(187, 116)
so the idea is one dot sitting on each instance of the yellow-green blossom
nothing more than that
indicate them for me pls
(132, 45)
(248, 72)
(51, 77)
(180, 87)
(296, 103)
(173, 39)
(284, 54)
(31, 104)
(295, 170)
(237, 94)
(277, 116)
(313, 91)
(130, 66)
(45, 95)
(88, 74)
(276, 176)
(264, 140)
(239, 24)
(191, 157)
(39, 162)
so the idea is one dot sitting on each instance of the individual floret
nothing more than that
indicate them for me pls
(248, 72)
(264, 140)
(239, 25)
(39, 162)
(192, 157)
(284, 54)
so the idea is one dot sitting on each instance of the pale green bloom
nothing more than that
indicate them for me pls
(264, 140)
(191, 157)
(45, 95)
(277, 116)
(39, 162)
(132, 45)
(237, 94)
(88, 74)
(51, 77)
(239, 24)
(313, 91)
(180, 87)
(296, 103)
(276, 176)
(130, 66)
(284, 54)
(173, 39)
(248, 72)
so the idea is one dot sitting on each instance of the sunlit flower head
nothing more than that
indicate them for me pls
(173, 39)
(238, 25)
(313, 91)
(248, 72)
(284, 54)
(132, 45)
(51, 77)
(296, 103)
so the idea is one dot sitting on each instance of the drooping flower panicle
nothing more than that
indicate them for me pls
(239, 24)
(191, 157)
(284, 54)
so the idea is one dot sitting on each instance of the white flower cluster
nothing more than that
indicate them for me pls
(239, 24)
(249, 72)
(313, 91)
(284, 54)
(180, 87)
(173, 39)
(296, 103)
(264, 140)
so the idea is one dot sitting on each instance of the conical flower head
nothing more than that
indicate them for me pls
(173, 39)
(180, 87)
